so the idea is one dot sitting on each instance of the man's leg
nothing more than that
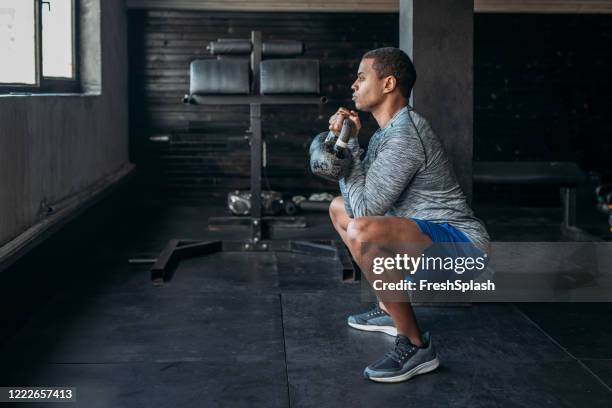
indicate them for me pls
(380, 230)
(339, 218)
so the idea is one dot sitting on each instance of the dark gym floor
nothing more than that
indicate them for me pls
(269, 330)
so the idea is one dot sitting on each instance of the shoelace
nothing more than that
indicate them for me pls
(401, 351)
(376, 312)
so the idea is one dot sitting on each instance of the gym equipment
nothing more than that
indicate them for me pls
(229, 46)
(277, 76)
(318, 202)
(604, 202)
(314, 206)
(286, 76)
(290, 207)
(258, 240)
(281, 48)
(565, 175)
(329, 156)
(239, 203)
(278, 48)
(213, 76)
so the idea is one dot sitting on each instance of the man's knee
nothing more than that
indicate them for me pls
(336, 208)
(360, 230)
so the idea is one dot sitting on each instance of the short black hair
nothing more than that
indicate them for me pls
(391, 61)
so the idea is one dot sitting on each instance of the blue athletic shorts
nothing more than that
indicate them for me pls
(453, 243)
(441, 232)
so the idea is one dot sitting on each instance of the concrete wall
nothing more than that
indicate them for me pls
(55, 148)
(438, 35)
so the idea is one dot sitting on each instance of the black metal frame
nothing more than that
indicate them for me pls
(178, 249)
(569, 229)
(258, 240)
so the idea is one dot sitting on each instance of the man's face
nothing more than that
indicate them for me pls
(367, 88)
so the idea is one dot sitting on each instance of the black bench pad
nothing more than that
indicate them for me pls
(550, 173)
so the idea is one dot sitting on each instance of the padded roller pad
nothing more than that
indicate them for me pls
(276, 48)
(211, 76)
(289, 76)
(282, 48)
(230, 47)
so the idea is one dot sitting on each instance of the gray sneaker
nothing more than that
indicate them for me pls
(404, 361)
(373, 320)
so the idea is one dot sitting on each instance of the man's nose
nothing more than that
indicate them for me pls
(354, 86)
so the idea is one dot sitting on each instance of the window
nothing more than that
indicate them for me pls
(37, 46)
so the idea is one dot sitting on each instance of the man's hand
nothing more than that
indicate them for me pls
(336, 120)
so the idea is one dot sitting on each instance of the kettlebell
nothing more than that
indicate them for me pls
(330, 158)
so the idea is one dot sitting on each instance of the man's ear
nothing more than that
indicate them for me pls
(390, 84)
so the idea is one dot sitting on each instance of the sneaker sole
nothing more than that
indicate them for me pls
(423, 368)
(390, 330)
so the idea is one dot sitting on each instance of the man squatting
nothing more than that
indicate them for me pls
(403, 190)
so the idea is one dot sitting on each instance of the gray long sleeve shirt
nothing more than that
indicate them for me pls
(406, 173)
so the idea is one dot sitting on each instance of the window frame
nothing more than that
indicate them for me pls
(44, 84)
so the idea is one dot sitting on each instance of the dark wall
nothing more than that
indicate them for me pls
(541, 91)
(542, 88)
(207, 154)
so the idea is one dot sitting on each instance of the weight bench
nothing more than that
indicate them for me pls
(252, 82)
(565, 175)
